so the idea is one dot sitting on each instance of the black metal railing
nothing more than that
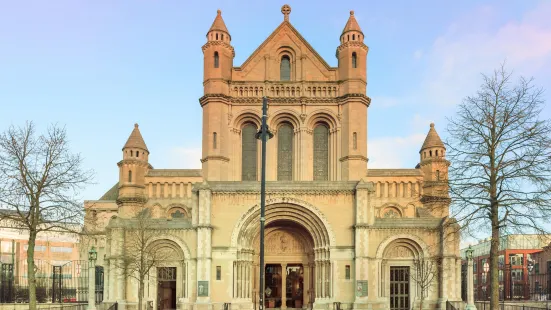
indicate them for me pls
(61, 283)
(510, 306)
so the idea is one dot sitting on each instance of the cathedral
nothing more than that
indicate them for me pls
(339, 235)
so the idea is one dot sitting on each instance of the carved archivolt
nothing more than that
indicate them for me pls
(284, 208)
(413, 243)
(323, 115)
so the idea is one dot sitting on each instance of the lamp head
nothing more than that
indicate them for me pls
(92, 254)
(469, 252)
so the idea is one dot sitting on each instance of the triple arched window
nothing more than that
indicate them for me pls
(249, 153)
(285, 152)
(285, 68)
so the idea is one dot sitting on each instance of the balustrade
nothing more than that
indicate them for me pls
(312, 90)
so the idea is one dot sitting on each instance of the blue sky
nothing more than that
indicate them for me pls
(98, 66)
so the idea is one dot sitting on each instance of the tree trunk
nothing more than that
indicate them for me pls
(494, 255)
(30, 270)
(140, 293)
(421, 303)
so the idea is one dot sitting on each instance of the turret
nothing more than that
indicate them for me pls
(218, 58)
(352, 57)
(434, 165)
(132, 170)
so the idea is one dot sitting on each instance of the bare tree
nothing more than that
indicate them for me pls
(500, 154)
(39, 183)
(425, 272)
(140, 255)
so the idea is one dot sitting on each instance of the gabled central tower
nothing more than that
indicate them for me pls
(318, 113)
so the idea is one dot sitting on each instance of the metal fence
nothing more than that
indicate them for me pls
(536, 287)
(66, 282)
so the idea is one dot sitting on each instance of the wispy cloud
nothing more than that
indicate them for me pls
(472, 46)
(183, 158)
(394, 152)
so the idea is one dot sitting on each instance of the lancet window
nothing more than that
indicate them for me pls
(321, 153)
(249, 153)
(285, 152)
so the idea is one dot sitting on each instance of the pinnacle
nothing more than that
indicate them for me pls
(432, 139)
(136, 140)
(218, 24)
(352, 24)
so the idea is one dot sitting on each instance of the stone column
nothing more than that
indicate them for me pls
(204, 239)
(305, 284)
(235, 279)
(363, 263)
(283, 286)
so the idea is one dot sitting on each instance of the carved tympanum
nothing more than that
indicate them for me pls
(399, 252)
(283, 243)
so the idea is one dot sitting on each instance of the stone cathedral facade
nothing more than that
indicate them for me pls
(336, 231)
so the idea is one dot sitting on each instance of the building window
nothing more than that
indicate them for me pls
(321, 153)
(354, 60)
(437, 175)
(37, 248)
(214, 142)
(248, 153)
(347, 272)
(216, 60)
(61, 249)
(285, 68)
(285, 152)
(355, 141)
(130, 176)
(218, 273)
(516, 259)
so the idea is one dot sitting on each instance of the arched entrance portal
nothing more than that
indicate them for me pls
(297, 264)
(290, 262)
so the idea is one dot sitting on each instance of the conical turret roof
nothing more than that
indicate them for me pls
(218, 24)
(351, 24)
(136, 140)
(432, 139)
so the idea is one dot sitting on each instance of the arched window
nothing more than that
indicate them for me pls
(129, 176)
(216, 60)
(355, 141)
(321, 153)
(354, 60)
(285, 68)
(214, 142)
(248, 153)
(285, 153)
(437, 175)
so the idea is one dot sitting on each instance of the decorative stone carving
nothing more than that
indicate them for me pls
(282, 242)
(399, 252)
(390, 213)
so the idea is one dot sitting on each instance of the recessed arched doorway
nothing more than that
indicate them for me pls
(297, 262)
(290, 265)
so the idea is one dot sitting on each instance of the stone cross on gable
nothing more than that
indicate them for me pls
(286, 10)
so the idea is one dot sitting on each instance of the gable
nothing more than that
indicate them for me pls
(264, 62)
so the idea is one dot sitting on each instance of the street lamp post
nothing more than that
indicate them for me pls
(470, 280)
(530, 267)
(92, 256)
(263, 134)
